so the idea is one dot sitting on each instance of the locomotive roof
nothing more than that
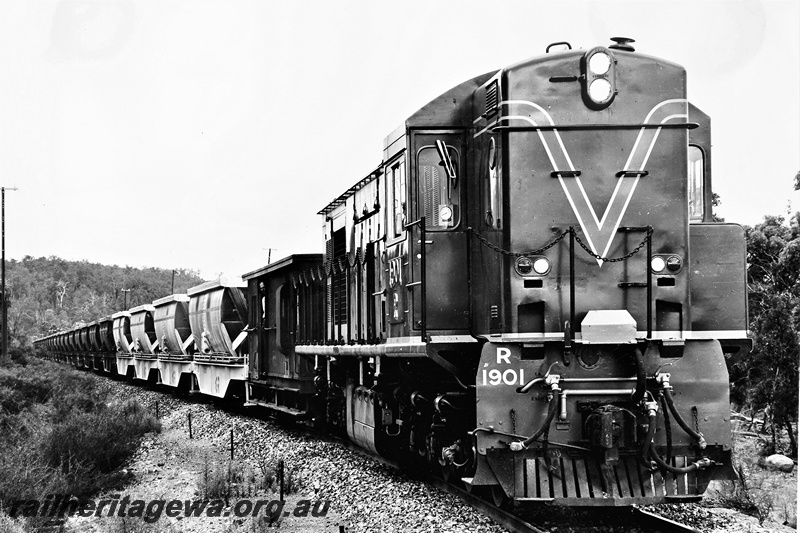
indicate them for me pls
(342, 198)
(452, 108)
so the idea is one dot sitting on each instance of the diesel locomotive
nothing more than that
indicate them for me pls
(529, 295)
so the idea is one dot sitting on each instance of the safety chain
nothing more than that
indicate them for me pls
(557, 240)
(517, 254)
(616, 259)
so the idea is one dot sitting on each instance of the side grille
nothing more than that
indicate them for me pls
(491, 99)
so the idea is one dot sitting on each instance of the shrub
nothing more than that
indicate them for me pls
(745, 495)
(85, 446)
(218, 481)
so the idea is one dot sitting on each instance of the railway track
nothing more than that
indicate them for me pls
(656, 523)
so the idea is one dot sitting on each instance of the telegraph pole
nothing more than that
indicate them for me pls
(269, 254)
(3, 289)
(125, 294)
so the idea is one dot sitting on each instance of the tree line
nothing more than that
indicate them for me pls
(50, 294)
(767, 378)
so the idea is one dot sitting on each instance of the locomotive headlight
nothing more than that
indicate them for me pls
(532, 266)
(599, 76)
(657, 264)
(523, 266)
(541, 266)
(599, 90)
(674, 263)
(599, 63)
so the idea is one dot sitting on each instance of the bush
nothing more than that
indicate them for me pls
(58, 436)
(230, 479)
(87, 446)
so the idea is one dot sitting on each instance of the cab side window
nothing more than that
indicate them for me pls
(438, 193)
(398, 200)
(696, 190)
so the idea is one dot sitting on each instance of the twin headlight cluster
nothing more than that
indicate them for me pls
(537, 265)
(599, 77)
(666, 264)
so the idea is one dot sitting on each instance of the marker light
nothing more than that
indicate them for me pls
(599, 63)
(523, 266)
(541, 266)
(657, 264)
(674, 263)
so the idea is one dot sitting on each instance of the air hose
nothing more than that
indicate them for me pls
(697, 465)
(647, 442)
(551, 413)
(701, 441)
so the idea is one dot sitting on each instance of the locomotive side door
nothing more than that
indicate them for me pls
(438, 192)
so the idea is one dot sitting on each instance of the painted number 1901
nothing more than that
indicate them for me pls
(508, 376)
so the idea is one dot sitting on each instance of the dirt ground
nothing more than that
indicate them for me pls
(774, 494)
(170, 466)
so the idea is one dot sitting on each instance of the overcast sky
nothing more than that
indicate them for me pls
(200, 134)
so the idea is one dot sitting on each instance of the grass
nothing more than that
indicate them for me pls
(764, 494)
(58, 434)
(227, 480)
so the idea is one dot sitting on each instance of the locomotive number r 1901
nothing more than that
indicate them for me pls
(507, 376)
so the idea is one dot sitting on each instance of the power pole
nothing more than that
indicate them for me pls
(269, 254)
(3, 289)
(125, 300)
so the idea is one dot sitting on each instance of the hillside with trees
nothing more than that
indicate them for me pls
(50, 294)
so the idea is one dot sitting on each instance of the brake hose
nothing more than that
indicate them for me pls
(551, 413)
(651, 431)
(697, 465)
(701, 441)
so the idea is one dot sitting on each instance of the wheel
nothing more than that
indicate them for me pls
(448, 473)
(498, 496)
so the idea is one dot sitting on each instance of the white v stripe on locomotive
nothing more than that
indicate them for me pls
(600, 232)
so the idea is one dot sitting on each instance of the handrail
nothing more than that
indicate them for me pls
(572, 282)
(423, 307)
